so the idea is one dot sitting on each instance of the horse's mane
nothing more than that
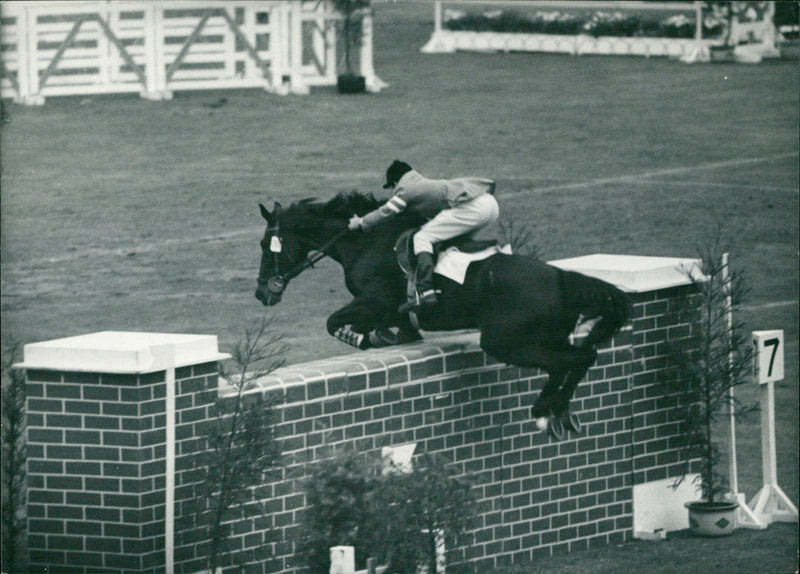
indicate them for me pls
(344, 205)
(310, 211)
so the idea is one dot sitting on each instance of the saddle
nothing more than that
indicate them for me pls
(407, 260)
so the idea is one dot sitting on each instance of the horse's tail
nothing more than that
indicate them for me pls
(595, 298)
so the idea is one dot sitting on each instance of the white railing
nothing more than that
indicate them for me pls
(755, 27)
(156, 47)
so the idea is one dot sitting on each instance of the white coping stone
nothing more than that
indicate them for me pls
(635, 273)
(122, 352)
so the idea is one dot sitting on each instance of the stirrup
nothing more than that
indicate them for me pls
(426, 299)
(429, 297)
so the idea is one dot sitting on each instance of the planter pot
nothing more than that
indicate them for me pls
(351, 84)
(712, 519)
(790, 50)
(722, 54)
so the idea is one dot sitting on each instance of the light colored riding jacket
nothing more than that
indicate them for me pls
(428, 196)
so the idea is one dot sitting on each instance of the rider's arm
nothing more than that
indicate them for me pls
(397, 204)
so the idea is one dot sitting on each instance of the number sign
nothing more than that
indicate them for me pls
(768, 365)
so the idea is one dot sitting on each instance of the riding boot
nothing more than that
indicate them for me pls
(425, 291)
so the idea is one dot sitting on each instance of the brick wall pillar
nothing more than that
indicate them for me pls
(102, 411)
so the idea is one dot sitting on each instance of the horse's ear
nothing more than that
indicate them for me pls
(277, 209)
(265, 213)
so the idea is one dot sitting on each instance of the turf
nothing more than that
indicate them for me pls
(121, 213)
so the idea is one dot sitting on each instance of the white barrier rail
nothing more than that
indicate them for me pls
(746, 27)
(153, 48)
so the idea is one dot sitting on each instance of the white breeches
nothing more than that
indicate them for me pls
(469, 217)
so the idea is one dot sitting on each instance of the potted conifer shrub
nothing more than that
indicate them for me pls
(722, 12)
(352, 12)
(712, 360)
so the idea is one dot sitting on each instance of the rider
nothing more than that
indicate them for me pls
(452, 207)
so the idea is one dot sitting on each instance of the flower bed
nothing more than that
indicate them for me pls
(594, 24)
(570, 33)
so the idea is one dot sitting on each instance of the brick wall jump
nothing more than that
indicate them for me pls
(100, 444)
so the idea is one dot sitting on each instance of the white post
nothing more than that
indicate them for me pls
(770, 504)
(343, 560)
(28, 75)
(330, 49)
(169, 498)
(439, 42)
(295, 42)
(698, 16)
(726, 280)
(109, 58)
(745, 517)
(278, 46)
(374, 83)
(154, 68)
(23, 59)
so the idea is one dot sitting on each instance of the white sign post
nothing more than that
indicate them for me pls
(745, 517)
(770, 504)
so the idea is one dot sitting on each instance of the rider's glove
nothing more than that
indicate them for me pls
(355, 223)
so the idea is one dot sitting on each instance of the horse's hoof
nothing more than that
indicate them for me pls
(572, 422)
(382, 337)
(542, 423)
(556, 428)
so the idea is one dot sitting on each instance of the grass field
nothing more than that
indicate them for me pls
(125, 214)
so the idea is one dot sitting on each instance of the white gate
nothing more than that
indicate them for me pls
(156, 47)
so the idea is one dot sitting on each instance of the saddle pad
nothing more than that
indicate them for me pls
(453, 263)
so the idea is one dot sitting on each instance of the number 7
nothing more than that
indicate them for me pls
(774, 344)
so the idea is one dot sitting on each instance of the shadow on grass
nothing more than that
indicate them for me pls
(772, 551)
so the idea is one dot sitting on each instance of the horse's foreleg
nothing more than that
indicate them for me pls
(407, 332)
(350, 324)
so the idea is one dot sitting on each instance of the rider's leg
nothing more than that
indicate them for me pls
(464, 218)
(425, 290)
(468, 217)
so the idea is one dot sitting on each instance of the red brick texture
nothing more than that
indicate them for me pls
(96, 453)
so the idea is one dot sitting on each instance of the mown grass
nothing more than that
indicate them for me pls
(120, 213)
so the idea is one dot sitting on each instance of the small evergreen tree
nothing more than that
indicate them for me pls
(352, 11)
(337, 509)
(414, 512)
(241, 442)
(397, 517)
(13, 459)
(715, 358)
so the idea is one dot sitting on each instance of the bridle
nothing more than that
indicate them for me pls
(276, 283)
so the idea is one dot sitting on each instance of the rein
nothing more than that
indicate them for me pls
(318, 256)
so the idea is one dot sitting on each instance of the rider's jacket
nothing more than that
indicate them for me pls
(428, 197)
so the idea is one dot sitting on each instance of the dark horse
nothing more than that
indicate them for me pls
(524, 308)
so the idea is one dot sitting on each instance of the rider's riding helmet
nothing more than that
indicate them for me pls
(395, 171)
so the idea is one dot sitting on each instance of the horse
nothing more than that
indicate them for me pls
(524, 308)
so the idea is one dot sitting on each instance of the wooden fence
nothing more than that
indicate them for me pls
(154, 48)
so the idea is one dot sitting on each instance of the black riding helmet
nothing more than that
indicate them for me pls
(395, 171)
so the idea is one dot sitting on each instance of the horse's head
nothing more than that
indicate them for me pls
(280, 252)
(311, 226)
